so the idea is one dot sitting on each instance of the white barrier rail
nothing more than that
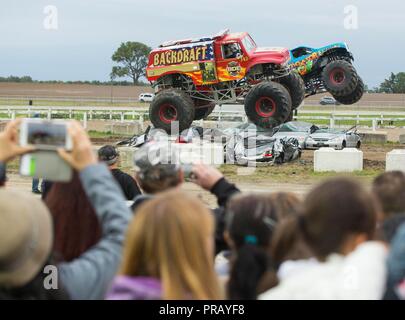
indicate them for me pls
(86, 113)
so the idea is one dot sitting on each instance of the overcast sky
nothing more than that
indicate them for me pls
(90, 30)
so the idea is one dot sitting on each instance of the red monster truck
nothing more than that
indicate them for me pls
(191, 76)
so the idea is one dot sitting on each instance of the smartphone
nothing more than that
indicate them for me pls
(45, 134)
(46, 165)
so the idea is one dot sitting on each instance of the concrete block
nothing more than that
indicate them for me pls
(205, 152)
(402, 138)
(346, 160)
(126, 157)
(187, 153)
(395, 160)
(130, 128)
(374, 137)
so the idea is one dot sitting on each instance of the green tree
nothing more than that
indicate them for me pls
(394, 84)
(132, 58)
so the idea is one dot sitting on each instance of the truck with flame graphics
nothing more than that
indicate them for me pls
(191, 76)
(329, 68)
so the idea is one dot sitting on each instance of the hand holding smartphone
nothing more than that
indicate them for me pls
(47, 137)
(45, 134)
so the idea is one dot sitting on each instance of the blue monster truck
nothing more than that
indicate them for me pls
(328, 68)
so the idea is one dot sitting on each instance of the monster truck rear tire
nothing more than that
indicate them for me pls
(268, 104)
(295, 86)
(353, 97)
(340, 78)
(171, 105)
(202, 109)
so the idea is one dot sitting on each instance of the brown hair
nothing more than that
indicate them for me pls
(286, 204)
(332, 211)
(156, 180)
(389, 188)
(76, 226)
(168, 239)
(251, 221)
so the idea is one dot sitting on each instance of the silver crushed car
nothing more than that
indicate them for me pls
(247, 149)
(295, 129)
(333, 138)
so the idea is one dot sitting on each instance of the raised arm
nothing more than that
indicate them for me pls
(89, 276)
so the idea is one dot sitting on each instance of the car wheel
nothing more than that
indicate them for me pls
(343, 145)
(358, 145)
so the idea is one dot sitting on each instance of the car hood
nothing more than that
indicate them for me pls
(328, 136)
(291, 134)
(278, 54)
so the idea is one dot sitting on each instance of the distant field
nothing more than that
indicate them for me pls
(104, 95)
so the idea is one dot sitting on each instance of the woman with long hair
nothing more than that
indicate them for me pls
(338, 223)
(168, 252)
(76, 226)
(251, 222)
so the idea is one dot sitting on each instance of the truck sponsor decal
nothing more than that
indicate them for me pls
(184, 55)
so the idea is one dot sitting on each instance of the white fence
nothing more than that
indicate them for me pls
(141, 114)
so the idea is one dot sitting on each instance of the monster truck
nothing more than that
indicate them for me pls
(328, 68)
(191, 76)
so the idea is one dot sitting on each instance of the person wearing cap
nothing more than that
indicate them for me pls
(157, 170)
(110, 156)
(26, 230)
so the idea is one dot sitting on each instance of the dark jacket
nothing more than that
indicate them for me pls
(128, 184)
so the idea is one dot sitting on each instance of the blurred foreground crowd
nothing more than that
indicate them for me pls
(342, 241)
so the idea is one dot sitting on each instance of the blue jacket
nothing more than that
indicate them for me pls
(396, 263)
(90, 275)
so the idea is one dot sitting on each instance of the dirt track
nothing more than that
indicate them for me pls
(105, 91)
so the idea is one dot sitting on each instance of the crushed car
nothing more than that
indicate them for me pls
(295, 129)
(333, 138)
(251, 148)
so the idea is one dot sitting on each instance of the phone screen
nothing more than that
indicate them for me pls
(46, 134)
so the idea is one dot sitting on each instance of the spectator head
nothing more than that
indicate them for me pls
(109, 155)
(389, 188)
(286, 204)
(25, 246)
(156, 169)
(75, 222)
(338, 215)
(251, 221)
(171, 239)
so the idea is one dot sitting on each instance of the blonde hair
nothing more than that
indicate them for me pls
(169, 239)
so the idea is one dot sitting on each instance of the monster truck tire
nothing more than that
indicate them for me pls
(354, 96)
(171, 105)
(296, 87)
(340, 78)
(268, 104)
(202, 109)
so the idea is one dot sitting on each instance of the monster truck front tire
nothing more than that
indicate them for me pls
(340, 78)
(296, 88)
(353, 97)
(268, 104)
(171, 105)
(202, 109)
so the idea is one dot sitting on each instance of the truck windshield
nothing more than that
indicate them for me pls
(248, 43)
